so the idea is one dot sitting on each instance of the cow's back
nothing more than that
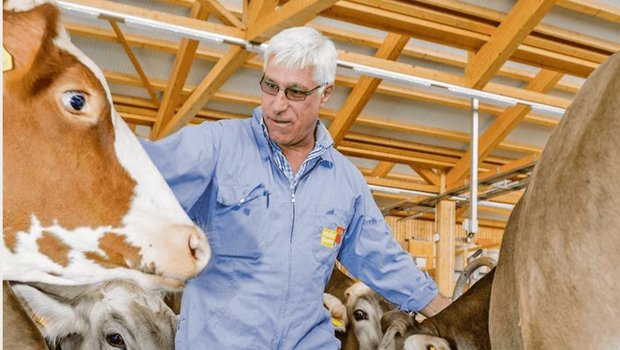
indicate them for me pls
(556, 281)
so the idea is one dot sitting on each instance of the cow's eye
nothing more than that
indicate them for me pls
(74, 101)
(115, 340)
(360, 315)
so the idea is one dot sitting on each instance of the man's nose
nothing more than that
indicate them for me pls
(280, 103)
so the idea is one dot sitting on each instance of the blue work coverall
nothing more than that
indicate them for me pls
(274, 248)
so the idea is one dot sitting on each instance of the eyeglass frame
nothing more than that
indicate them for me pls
(288, 90)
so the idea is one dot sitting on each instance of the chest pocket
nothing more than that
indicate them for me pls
(239, 222)
(330, 228)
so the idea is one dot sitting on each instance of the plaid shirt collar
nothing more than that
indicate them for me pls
(323, 141)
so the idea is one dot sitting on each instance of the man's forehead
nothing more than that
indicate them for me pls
(289, 77)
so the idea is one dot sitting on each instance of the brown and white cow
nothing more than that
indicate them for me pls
(82, 201)
(556, 282)
(112, 314)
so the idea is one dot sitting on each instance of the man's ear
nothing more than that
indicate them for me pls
(327, 93)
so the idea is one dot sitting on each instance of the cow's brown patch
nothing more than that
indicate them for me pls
(54, 248)
(10, 239)
(119, 253)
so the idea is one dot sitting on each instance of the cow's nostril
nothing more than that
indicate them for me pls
(194, 246)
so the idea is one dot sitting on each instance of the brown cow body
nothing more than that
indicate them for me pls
(463, 324)
(556, 284)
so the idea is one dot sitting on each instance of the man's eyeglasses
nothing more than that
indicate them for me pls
(292, 94)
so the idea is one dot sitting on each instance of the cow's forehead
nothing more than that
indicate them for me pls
(357, 289)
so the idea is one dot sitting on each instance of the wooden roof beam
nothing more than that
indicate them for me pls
(293, 13)
(214, 6)
(134, 61)
(364, 89)
(503, 125)
(428, 175)
(180, 70)
(212, 82)
(382, 169)
(424, 29)
(593, 8)
(341, 80)
(452, 79)
(255, 9)
(521, 20)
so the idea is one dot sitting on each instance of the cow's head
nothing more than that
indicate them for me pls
(365, 309)
(108, 315)
(82, 201)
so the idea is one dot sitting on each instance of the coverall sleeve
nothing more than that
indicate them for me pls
(187, 159)
(370, 253)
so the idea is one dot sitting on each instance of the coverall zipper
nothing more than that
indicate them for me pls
(290, 247)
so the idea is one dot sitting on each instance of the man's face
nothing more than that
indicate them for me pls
(291, 124)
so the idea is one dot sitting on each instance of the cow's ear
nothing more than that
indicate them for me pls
(423, 341)
(24, 35)
(338, 312)
(53, 315)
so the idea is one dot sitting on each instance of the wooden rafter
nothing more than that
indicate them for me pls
(384, 88)
(431, 55)
(182, 65)
(294, 12)
(364, 89)
(452, 79)
(521, 20)
(214, 6)
(257, 9)
(428, 175)
(503, 125)
(481, 20)
(593, 8)
(216, 77)
(382, 169)
(134, 61)
(379, 18)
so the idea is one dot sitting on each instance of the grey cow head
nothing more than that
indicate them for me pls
(109, 315)
(365, 309)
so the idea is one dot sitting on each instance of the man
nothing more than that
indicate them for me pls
(280, 204)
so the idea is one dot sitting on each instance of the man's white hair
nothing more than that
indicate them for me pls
(302, 47)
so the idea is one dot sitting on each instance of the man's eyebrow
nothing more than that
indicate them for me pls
(292, 86)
